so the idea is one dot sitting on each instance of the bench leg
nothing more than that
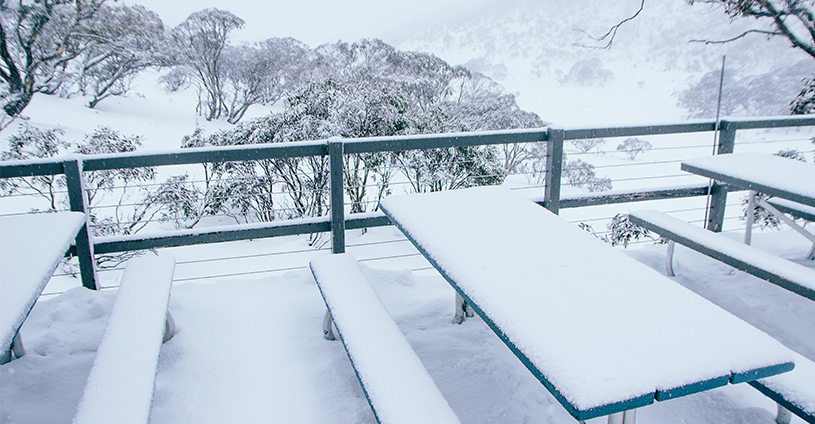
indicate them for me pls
(751, 210)
(16, 350)
(328, 321)
(669, 259)
(463, 310)
(625, 417)
(784, 415)
(17, 346)
(616, 418)
(169, 328)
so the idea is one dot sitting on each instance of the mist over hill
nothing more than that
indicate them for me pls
(542, 51)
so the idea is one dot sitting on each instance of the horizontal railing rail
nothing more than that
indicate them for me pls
(73, 166)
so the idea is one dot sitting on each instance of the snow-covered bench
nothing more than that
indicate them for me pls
(793, 391)
(605, 334)
(789, 275)
(121, 383)
(31, 247)
(797, 210)
(395, 382)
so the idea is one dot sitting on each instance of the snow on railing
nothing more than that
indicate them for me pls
(590, 173)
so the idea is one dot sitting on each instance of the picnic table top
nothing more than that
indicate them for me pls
(603, 332)
(765, 173)
(31, 247)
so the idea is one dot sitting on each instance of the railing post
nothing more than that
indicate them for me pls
(335, 163)
(554, 169)
(79, 203)
(718, 192)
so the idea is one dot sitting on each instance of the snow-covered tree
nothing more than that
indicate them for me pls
(752, 95)
(261, 73)
(198, 44)
(38, 39)
(586, 144)
(633, 146)
(582, 174)
(33, 143)
(129, 40)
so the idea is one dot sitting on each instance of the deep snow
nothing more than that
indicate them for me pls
(252, 350)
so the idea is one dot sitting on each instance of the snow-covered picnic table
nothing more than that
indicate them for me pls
(31, 247)
(772, 175)
(601, 331)
(769, 174)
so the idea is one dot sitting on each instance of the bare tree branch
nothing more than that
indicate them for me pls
(612, 32)
(742, 35)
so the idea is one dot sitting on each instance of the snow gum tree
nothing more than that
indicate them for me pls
(198, 44)
(261, 73)
(129, 40)
(120, 201)
(38, 38)
(33, 143)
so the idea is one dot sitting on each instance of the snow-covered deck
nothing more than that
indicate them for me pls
(252, 350)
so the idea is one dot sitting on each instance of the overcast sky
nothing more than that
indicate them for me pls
(315, 22)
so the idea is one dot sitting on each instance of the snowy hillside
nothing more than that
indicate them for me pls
(533, 49)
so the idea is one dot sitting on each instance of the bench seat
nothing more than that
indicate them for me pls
(395, 382)
(794, 391)
(122, 380)
(795, 209)
(789, 275)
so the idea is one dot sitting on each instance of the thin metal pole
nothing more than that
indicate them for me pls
(715, 138)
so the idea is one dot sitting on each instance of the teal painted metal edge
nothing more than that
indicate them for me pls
(692, 388)
(214, 235)
(763, 372)
(580, 415)
(777, 397)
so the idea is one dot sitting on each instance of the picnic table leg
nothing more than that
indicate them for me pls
(625, 417)
(463, 310)
(784, 415)
(328, 321)
(169, 328)
(16, 350)
(751, 210)
(17, 346)
(669, 259)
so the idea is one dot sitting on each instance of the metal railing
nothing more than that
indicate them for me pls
(337, 222)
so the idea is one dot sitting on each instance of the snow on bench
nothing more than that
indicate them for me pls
(602, 332)
(789, 275)
(797, 210)
(121, 383)
(395, 382)
(794, 391)
(793, 208)
(31, 247)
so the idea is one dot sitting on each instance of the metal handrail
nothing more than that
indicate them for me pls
(74, 165)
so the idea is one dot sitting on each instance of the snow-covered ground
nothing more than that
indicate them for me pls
(249, 344)
(251, 349)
